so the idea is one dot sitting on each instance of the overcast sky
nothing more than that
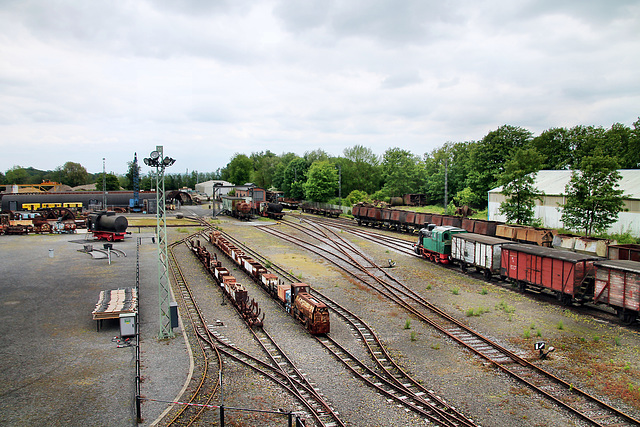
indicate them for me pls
(82, 80)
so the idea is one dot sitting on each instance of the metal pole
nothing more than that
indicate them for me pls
(446, 184)
(104, 185)
(340, 183)
(163, 266)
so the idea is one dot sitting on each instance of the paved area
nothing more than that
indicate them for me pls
(55, 367)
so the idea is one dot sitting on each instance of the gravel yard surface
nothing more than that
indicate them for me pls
(591, 354)
(58, 370)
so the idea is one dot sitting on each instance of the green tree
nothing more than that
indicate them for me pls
(584, 141)
(517, 185)
(360, 170)
(264, 168)
(555, 147)
(487, 158)
(111, 182)
(593, 198)
(240, 169)
(322, 181)
(73, 174)
(295, 175)
(401, 172)
(16, 175)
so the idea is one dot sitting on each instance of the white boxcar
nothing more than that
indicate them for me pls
(482, 252)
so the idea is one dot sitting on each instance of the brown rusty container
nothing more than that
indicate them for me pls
(468, 224)
(482, 226)
(374, 214)
(410, 219)
(355, 211)
(420, 220)
(506, 231)
(624, 252)
(453, 221)
(386, 214)
(395, 216)
(436, 219)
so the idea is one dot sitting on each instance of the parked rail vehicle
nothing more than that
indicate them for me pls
(310, 208)
(434, 243)
(296, 297)
(271, 210)
(479, 251)
(569, 275)
(74, 200)
(617, 284)
(106, 225)
(236, 292)
(237, 207)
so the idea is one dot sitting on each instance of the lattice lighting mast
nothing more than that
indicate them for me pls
(156, 159)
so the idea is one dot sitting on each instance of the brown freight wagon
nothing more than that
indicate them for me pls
(569, 275)
(628, 252)
(618, 285)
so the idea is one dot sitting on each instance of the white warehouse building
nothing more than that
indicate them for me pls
(220, 187)
(553, 182)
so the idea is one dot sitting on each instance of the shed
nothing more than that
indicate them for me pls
(553, 182)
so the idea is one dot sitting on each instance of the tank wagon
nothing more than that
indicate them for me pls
(296, 298)
(271, 210)
(106, 225)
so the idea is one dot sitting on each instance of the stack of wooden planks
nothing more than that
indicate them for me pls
(111, 303)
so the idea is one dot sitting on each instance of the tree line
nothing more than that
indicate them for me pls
(507, 156)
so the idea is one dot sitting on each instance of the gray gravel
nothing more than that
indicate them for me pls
(58, 370)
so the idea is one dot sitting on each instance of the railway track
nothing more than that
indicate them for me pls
(343, 254)
(406, 247)
(279, 369)
(386, 377)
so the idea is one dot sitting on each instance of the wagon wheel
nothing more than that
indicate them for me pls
(487, 275)
(109, 237)
(59, 213)
(463, 266)
(565, 299)
(522, 286)
(627, 317)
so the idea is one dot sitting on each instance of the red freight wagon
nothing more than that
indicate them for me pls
(569, 275)
(618, 285)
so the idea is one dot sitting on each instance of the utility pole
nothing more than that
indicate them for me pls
(446, 184)
(104, 185)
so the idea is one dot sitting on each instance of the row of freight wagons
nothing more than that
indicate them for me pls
(571, 276)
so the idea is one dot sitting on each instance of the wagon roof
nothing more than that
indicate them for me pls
(481, 238)
(555, 253)
(619, 264)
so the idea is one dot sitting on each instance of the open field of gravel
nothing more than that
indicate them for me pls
(599, 356)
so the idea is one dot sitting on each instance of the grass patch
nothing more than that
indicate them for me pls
(503, 306)
(455, 291)
(560, 325)
(476, 312)
(407, 324)
(413, 336)
(484, 290)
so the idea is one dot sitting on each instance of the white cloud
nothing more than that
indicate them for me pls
(85, 80)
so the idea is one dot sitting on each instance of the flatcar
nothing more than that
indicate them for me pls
(296, 298)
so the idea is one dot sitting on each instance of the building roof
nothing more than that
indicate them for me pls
(553, 182)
